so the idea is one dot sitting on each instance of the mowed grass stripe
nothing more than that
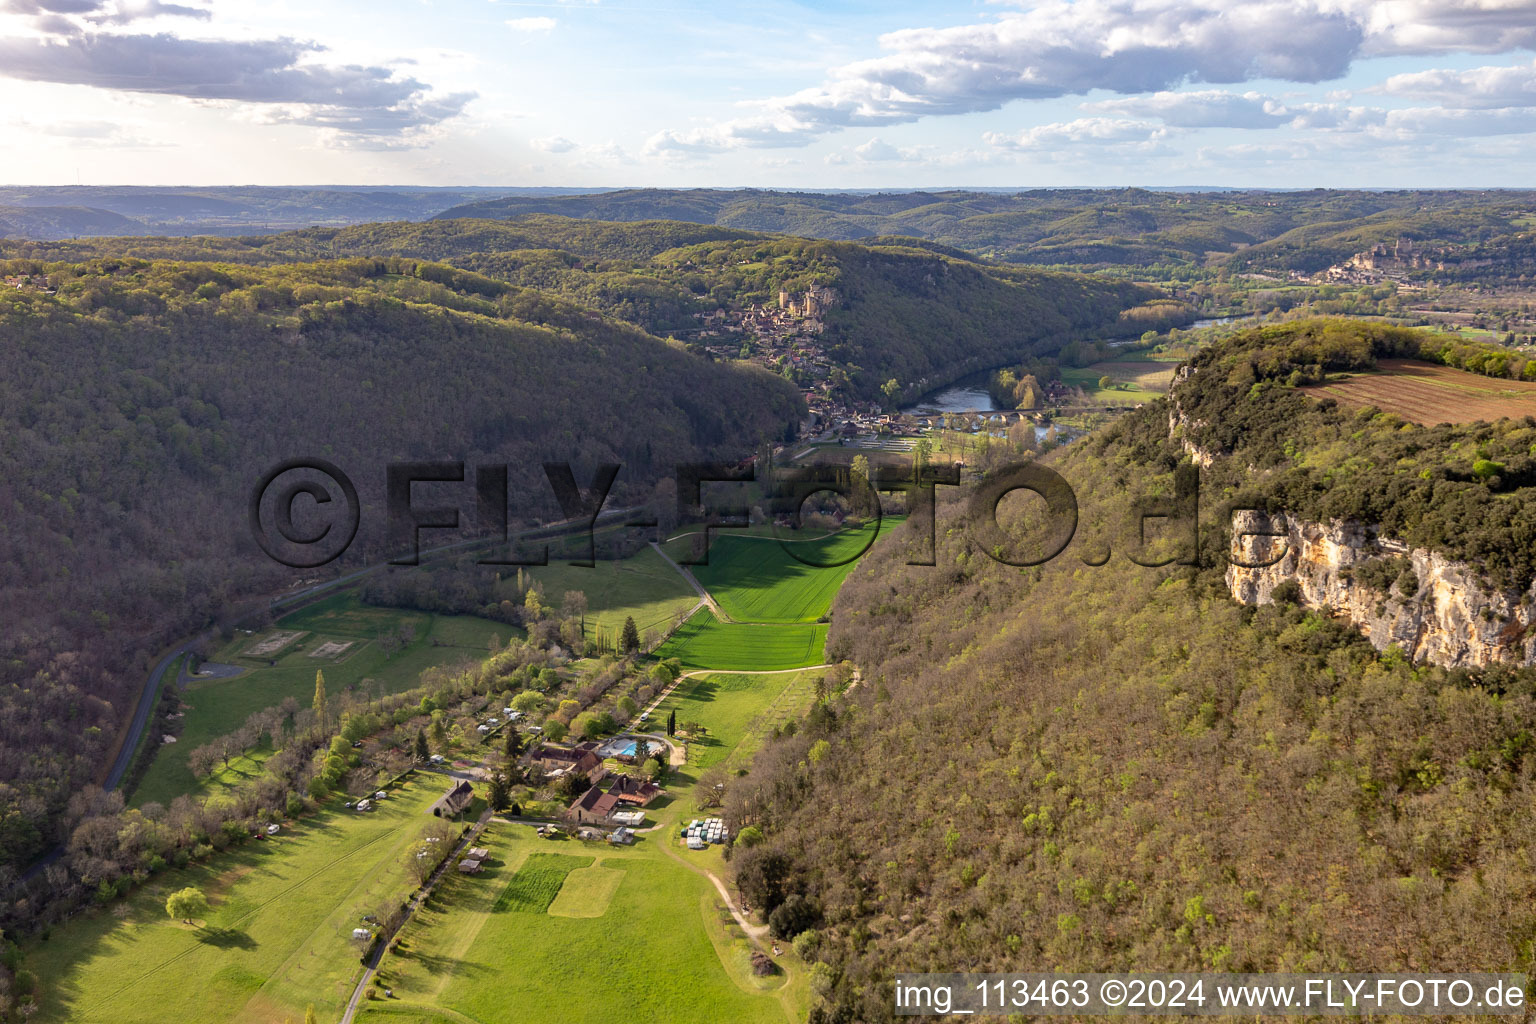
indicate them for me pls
(587, 891)
(757, 579)
(536, 884)
(706, 642)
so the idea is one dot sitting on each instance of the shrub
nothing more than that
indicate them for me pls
(1288, 592)
(806, 944)
(795, 915)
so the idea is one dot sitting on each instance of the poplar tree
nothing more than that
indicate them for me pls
(320, 713)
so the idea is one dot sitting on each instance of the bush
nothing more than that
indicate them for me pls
(1288, 592)
(795, 915)
(806, 944)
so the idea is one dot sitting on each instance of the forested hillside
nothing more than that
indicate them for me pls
(145, 210)
(903, 311)
(142, 400)
(1232, 230)
(1071, 767)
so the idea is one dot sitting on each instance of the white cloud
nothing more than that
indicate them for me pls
(875, 150)
(675, 145)
(1083, 131)
(1208, 109)
(1485, 87)
(532, 24)
(553, 144)
(1460, 123)
(1060, 48)
(281, 77)
(1445, 26)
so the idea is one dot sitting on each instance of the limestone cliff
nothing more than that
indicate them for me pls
(1450, 617)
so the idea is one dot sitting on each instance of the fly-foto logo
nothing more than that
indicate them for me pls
(318, 494)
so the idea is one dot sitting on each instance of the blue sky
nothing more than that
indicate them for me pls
(1280, 93)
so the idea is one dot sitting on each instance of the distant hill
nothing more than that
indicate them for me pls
(1243, 230)
(1150, 230)
(181, 210)
(913, 310)
(55, 222)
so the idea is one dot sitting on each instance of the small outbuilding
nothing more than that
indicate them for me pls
(453, 803)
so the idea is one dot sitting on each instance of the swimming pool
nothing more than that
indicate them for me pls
(618, 748)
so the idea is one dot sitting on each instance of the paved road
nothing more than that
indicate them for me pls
(141, 715)
(450, 863)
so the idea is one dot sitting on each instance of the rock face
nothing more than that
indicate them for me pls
(1453, 618)
(1179, 422)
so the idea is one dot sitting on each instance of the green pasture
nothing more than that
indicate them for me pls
(706, 642)
(763, 579)
(278, 935)
(647, 956)
(737, 711)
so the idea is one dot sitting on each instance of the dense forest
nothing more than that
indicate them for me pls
(1236, 231)
(142, 400)
(151, 381)
(1160, 232)
(1078, 766)
(919, 314)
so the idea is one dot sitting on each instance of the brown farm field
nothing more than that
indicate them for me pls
(1427, 393)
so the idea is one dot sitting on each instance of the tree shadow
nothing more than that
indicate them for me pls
(226, 938)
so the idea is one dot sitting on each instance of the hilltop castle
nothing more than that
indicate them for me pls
(814, 302)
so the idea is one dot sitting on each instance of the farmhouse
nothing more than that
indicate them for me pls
(453, 802)
(597, 806)
(630, 790)
(592, 806)
(583, 759)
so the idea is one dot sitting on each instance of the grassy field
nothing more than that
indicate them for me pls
(536, 884)
(587, 891)
(706, 642)
(759, 579)
(647, 956)
(218, 706)
(738, 711)
(643, 586)
(277, 938)
(1428, 393)
(1137, 379)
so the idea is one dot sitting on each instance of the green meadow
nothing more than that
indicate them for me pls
(737, 711)
(629, 942)
(706, 642)
(643, 586)
(763, 579)
(278, 935)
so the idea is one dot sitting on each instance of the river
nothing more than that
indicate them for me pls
(955, 398)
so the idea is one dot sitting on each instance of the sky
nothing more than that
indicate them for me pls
(844, 94)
